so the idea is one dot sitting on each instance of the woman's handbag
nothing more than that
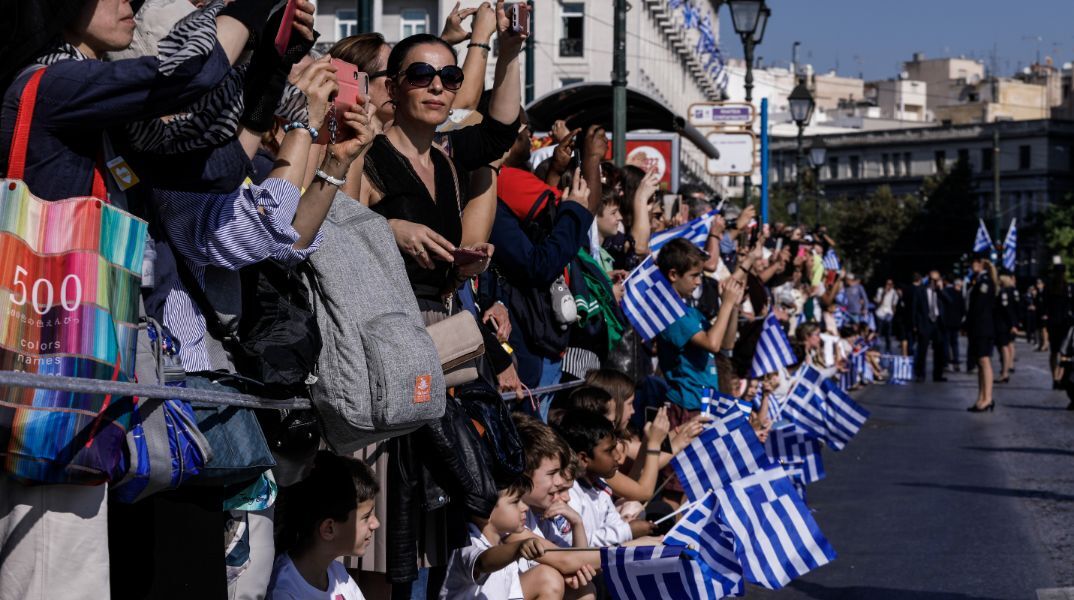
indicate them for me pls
(458, 341)
(72, 270)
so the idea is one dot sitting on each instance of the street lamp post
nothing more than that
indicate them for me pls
(802, 105)
(749, 17)
(818, 154)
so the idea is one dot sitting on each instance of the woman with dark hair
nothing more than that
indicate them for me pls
(421, 190)
(981, 330)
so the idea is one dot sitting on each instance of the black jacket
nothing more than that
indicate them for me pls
(954, 309)
(979, 319)
(922, 322)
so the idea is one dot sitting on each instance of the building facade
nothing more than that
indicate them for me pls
(1036, 165)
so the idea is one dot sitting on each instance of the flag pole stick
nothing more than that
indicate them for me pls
(682, 509)
(572, 549)
(657, 491)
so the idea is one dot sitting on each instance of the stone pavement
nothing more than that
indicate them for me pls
(930, 502)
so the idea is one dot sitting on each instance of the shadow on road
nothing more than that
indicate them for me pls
(859, 592)
(912, 406)
(1032, 406)
(995, 491)
(1056, 451)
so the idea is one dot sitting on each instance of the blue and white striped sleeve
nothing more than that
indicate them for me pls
(234, 230)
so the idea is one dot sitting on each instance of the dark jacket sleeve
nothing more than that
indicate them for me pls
(483, 143)
(539, 264)
(98, 94)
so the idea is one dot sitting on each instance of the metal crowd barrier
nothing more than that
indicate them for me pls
(82, 385)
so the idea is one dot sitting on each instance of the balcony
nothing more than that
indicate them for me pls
(570, 48)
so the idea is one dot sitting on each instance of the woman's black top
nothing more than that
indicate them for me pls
(979, 314)
(406, 197)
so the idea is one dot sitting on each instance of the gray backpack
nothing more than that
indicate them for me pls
(379, 374)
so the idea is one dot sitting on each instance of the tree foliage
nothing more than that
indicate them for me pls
(1058, 229)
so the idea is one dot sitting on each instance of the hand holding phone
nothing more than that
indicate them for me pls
(520, 18)
(353, 90)
(465, 256)
(283, 36)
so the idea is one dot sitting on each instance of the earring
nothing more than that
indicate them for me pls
(451, 111)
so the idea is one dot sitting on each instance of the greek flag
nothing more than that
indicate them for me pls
(1010, 247)
(830, 260)
(727, 450)
(798, 453)
(983, 241)
(776, 538)
(650, 303)
(701, 529)
(843, 416)
(697, 231)
(773, 349)
(823, 411)
(722, 405)
(900, 367)
(645, 572)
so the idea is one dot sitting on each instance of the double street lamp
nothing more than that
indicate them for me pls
(749, 18)
(802, 105)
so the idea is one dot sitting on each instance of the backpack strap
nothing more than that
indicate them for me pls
(21, 138)
(454, 177)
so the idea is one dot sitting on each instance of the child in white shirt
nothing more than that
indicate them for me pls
(324, 517)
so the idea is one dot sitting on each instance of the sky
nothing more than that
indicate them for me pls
(873, 37)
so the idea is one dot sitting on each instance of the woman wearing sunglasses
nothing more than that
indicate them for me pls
(411, 181)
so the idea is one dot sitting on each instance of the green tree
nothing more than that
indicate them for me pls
(867, 229)
(1058, 229)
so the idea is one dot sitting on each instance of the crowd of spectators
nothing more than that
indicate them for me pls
(246, 168)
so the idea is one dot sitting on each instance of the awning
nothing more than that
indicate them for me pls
(585, 104)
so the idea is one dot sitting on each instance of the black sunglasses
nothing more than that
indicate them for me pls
(421, 74)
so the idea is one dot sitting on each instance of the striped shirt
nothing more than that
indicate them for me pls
(214, 232)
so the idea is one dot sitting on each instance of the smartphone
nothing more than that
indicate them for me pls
(283, 36)
(464, 256)
(650, 413)
(520, 18)
(779, 245)
(353, 88)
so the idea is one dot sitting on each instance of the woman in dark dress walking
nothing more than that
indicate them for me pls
(980, 330)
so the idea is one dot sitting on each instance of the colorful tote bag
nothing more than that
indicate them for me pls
(70, 273)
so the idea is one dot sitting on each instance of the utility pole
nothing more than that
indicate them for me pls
(619, 82)
(364, 11)
(530, 52)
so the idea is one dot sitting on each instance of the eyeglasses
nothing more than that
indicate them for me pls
(421, 74)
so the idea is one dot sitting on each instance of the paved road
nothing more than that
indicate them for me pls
(933, 503)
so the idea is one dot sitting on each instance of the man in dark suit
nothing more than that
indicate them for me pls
(929, 326)
(954, 309)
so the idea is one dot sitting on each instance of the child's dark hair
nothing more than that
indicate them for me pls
(404, 46)
(584, 429)
(539, 441)
(679, 254)
(519, 486)
(335, 487)
(586, 397)
(608, 199)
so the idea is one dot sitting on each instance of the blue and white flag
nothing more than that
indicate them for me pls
(773, 349)
(830, 260)
(650, 303)
(1010, 247)
(645, 572)
(727, 450)
(983, 241)
(697, 231)
(722, 405)
(804, 404)
(798, 453)
(700, 528)
(842, 416)
(900, 368)
(776, 537)
(823, 411)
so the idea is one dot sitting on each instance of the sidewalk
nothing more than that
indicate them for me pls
(931, 502)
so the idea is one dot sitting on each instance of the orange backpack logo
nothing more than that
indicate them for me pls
(423, 388)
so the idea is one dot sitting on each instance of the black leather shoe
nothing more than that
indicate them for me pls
(989, 408)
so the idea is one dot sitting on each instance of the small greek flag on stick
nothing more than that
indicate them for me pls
(773, 349)
(727, 450)
(983, 241)
(697, 231)
(842, 416)
(804, 404)
(700, 529)
(831, 261)
(645, 572)
(650, 303)
(799, 454)
(1010, 247)
(776, 538)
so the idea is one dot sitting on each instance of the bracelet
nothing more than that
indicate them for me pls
(479, 45)
(328, 178)
(653, 451)
(300, 125)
